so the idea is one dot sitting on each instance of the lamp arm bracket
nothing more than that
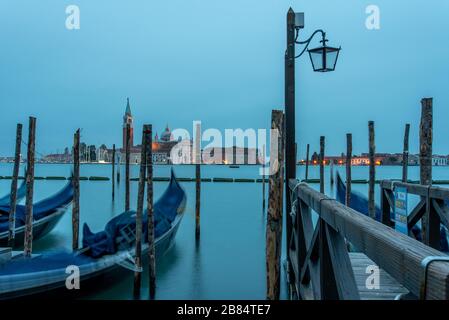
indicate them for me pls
(307, 42)
(323, 34)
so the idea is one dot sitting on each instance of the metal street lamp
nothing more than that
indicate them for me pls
(323, 59)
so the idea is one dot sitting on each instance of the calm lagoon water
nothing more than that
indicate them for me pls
(229, 261)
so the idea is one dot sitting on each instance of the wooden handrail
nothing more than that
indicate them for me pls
(432, 208)
(417, 189)
(396, 253)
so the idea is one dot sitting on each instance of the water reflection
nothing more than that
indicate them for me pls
(229, 260)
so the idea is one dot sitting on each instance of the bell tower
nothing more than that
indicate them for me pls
(128, 119)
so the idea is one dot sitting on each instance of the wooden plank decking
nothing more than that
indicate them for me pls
(389, 288)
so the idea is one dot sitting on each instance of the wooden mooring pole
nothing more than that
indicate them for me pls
(405, 153)
(263, 179)
(322, 142)
(331, 164)
(289, 93)
(348, 168)
(307, 162)
(139, 213)
(150, 214)
(113, 172)
(76, 191)
(197, 179)
(28, 240)
(372, 171)
(127, 155)
(13, 196)
(275, 206)
(430, 221)
(119, 166)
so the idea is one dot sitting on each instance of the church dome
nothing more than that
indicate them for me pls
(166, 135)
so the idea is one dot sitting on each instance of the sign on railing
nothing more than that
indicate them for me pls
(400, 209)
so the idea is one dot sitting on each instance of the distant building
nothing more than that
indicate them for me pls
(231, 155)
(163, 146)
(315, 158)
(413, 159)
(103, 154)
(92, 153)
(359, 161)
(67, 154)
(83, 152)
(335, 159)
(362, 160)
(56, 158)
(10, 159)
(161, 149)
(65, 157)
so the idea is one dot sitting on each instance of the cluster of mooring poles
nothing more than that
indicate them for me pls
(425, 157)
(145, 179)
(146, 174)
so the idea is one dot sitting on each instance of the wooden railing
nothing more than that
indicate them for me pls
(319, 263)
(431, 206)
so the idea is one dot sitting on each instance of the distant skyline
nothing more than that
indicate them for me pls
(220, 62)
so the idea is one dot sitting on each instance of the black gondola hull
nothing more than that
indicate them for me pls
(94, 279)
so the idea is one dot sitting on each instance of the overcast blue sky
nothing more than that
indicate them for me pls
(220, 62)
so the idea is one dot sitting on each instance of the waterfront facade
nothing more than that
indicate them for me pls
(385, 159)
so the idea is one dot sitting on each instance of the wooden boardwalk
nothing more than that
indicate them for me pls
(388, 287)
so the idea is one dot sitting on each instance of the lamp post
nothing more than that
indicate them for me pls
(323, 59)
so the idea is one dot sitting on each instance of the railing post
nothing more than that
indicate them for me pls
(328, 288)
(13, 198)
(274, 215)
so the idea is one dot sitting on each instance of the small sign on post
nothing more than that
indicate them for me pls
(400, 209)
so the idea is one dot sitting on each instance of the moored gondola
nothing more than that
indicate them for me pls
(21, 192)
(102, 252)
(46, 214)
